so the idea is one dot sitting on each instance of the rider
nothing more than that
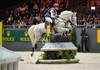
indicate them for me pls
(51, 15)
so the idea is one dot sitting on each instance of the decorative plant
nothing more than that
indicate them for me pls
(70, 54)
(73, 36)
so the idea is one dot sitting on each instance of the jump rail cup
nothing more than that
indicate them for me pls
(8, 59)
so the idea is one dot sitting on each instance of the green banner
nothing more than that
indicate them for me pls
(15, 35)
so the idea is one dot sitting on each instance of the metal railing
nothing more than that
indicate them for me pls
(26, 27)
(15, 27)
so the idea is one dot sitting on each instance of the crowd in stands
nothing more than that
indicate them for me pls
(28, 13)
(24, 14)
(32, 12)
(88, 19)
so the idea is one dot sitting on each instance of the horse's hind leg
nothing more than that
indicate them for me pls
(32, 51)
(33, 45)
(32, 37)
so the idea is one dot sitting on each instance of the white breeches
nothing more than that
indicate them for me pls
(48, 19)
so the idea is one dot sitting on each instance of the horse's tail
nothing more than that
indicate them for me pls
(32, 35)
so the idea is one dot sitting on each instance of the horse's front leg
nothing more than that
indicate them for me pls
(59, 29)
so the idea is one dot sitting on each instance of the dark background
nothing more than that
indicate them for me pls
(8, 3)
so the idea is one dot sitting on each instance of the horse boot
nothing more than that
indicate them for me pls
(32, 52)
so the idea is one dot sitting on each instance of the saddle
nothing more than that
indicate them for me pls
(52, 29)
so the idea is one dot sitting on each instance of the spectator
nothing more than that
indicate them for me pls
(21, 23)
(31, 19)
(10, 20)
(84, 40)
(33, 12)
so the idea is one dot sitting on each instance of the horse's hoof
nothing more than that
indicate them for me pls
(31, 55)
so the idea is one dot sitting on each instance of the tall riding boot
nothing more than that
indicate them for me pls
(53, 30)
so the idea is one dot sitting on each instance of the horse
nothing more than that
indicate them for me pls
(36, 31)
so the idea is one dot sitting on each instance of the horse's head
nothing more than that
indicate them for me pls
(69, 16)
(74, 19)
